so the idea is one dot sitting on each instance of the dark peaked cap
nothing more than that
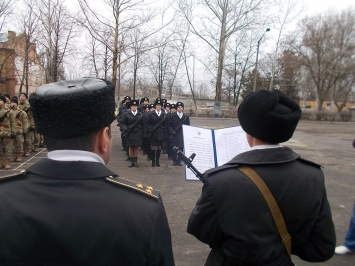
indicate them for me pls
(270, 116)
(73, 108)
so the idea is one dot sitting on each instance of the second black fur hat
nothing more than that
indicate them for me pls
(270, 116)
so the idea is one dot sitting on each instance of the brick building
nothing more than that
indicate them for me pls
(12, 58)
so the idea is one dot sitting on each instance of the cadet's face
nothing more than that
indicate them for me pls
(134, 108)
(173, 110)
(158, 107)
(180, 109)
(167, 109)
(22, 98)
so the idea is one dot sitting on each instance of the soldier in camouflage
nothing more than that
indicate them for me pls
(7, 124)
(7, 103)
(25, 106)
(20, 130)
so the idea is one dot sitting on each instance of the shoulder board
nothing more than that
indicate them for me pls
(148, 190)
(21, 173)
(220, 168)
(310, 162)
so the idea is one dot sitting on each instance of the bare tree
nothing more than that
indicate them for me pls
(286, 13)
(6, 9)
(240, 56)
(58, 29)
(290, 66)
(221, 19)
(111, 27)
(29, 23)
(327, 46)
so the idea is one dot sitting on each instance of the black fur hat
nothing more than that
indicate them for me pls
(270, 116)
(73, 108)
(144, 99)
(3, 98)
(179, 104)
(158, 102)
(133, 102)
(14, 99)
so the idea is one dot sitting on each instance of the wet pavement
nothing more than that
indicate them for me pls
(327, 143)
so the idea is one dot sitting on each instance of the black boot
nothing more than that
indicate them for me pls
(131, 162)
(149, 155)
(135, 162)
(157, 158)
(153, 158)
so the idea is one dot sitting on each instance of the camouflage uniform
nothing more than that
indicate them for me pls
(25, 106)
(22, 125)
(36, 140)
(6, 131)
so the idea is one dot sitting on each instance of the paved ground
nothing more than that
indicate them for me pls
(329, 144)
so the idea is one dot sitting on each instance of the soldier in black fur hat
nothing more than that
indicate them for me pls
(142, 103)
(175, 123)
(156, 126)
(232, 215)
(145, 140)
(132, 126)
(80, 212)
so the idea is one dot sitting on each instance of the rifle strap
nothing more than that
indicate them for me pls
(271, 202)
(180, 124)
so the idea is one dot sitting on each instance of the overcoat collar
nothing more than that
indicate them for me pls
(70, 170)
(265, 156)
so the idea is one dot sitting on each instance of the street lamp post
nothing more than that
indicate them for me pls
(256, 62)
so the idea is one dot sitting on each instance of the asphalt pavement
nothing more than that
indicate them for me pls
(327, 143)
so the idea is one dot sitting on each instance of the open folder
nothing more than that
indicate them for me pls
(213, 147)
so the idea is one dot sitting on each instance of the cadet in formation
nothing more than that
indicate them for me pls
(177, 119)
(132, 128)
(7, 133)
(156, 129)
(20, 131)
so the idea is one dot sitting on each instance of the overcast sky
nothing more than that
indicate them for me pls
(316, 6)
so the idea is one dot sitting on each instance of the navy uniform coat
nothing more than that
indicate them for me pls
(81, 213)
(233, 217)
(152, 120)
(176, 136)
(134, 138)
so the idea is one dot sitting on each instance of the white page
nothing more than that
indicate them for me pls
(199, 141)
(230, 142)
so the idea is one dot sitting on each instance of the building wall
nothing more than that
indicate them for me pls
(326, 105)
(12, 54)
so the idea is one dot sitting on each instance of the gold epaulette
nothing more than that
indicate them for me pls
(148, 190)
(18, 174)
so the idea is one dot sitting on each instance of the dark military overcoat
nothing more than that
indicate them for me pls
(135, 135)
(175, 129)
(233, 218)
(81, 213)
(153, 120)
